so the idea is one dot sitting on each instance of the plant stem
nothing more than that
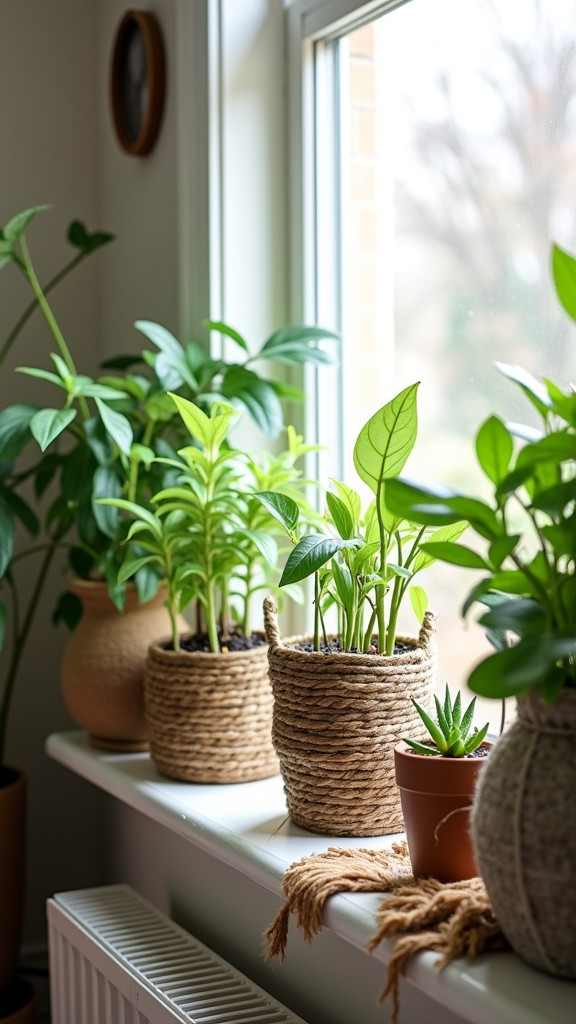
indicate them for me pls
(22, 321)
(316, 611)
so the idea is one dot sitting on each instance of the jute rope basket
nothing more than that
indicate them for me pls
(209, 715)
(337, 718)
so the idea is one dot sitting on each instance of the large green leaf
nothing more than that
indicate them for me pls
(455, 554)
(564, 276)
(446, 533)
(386, 440)
(418, 502)
(19, 508)
(282, 507)
(117, 426)
(310, 554)
(15, 429)
(256, 395)
(494, 447)
(47, 424)
(524, 617)
(530, 663)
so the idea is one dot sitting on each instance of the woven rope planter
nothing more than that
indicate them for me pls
(209, 715)
(524, 830)
(337, 719)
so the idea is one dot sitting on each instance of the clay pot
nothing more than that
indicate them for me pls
(103, 665)
(18, 1003)
(524, 828)
(436, 795)
(337, 718)
(210, 715)
(12, 869)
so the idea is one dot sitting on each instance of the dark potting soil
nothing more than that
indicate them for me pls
(335, 647)
(234, 642)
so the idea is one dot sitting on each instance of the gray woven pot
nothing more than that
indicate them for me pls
(524, 829)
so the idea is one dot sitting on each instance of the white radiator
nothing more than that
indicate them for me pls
(115, 959)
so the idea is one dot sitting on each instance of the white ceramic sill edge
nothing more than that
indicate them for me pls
(246, 827)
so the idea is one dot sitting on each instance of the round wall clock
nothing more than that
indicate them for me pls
(138, 82)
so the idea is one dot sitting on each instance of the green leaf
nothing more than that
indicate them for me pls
(6, 253)
(106, 485)
(15, 429)
(2, 623)
(196, 422)
(445, 533)
(117, 426)
(90, 389)
(532, 388)
(87, 241)
(229, 332)
(386, 440)
(282, 507)
(351, 499)
(138, 511)
(564, 277)
(344, 583)
(130, 566)
(22, 511)
(501, 548)
(524, 617)
(340, 516)
(432, 727)
(297, 345)
(455, 554)
(47, 424)
(419, 502)
(419, 601)
(6, 538)
(17, 225)
(255, 394)
(32, 371)
(494, 448)
(310, 554)
(525, 666)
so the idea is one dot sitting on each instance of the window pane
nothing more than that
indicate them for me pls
(458, 139)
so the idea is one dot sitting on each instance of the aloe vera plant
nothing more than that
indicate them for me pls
(364, 562)
(450, 733)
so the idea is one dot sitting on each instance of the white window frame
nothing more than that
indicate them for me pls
(313, 147)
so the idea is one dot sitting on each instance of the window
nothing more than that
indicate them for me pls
(440, 162)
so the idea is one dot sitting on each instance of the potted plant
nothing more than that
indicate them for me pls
(342, 702)
(437, 780)
(207, 697)
(17, 999)
(524, 824)
(100, 438)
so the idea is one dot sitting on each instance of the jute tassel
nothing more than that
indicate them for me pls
(337, 718)
(209, 715)
(453, 919)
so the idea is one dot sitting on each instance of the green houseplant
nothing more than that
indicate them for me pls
(342, 702)
(524, 829)
(206, 694)
(100, 437)
(437, 780)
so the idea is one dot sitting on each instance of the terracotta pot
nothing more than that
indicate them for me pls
(210, 715)
(103, 665)
(436, 795)
(18, 1003)
(12, 869)
(337, 718)
(524, 828)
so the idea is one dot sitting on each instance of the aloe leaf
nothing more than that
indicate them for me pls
(467, 718)
(386, 440)
(434, 729)
(421, 748)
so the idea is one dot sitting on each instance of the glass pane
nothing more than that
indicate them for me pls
(458, 129)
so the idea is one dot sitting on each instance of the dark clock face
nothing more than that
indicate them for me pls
(137, 82)
(134, 82)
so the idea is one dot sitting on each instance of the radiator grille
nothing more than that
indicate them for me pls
(115, 959)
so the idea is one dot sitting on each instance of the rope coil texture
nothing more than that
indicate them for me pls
(452, 918)
(337, 718)
(209, 715)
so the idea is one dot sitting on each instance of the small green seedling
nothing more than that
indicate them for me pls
(450, 730)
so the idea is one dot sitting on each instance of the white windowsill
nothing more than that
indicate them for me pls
(245, 826)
